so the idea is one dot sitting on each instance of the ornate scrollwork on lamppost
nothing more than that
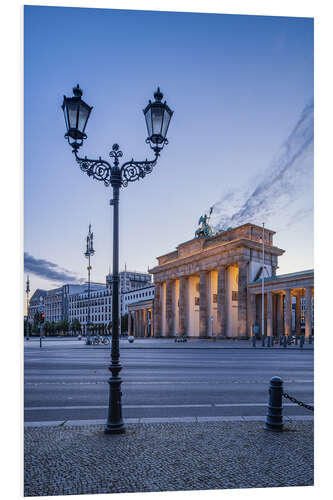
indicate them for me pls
(157, 115)
(131, 170)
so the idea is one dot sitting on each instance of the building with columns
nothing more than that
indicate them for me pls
(280, 292)
(139, 307)
(211, 287)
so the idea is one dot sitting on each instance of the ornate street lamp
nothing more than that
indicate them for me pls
(76, 113)
(89, 253)
(158, 116)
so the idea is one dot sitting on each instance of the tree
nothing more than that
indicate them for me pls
(36, 319)
(76, 325)
(57, 327)
(47, 328)
(65, 326)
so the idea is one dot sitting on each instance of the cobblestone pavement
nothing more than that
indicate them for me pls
(166, 457)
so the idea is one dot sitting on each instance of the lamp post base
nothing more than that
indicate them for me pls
(115, 423)
(115, 429)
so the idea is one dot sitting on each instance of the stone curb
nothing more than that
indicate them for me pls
(160, 420)
(196, 348)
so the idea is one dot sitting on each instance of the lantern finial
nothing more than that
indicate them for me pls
(77, 91)
(158, 95)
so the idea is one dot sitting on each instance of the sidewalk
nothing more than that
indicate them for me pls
(164, 343)
(167, 457)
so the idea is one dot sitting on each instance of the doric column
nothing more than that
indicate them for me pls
(203, 312)
(169, 309)
(269, 314)
(183, 295)
(137, 321)
(221, 302)
(135, 324)
(298, 313)
(157, 311)
(288, 317)
(142, 323)
(252, 312)
(308, 311)
(129, 328)
(242, 299)
(279, 314)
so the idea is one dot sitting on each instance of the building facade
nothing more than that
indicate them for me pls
(70, 301)
(101, 299)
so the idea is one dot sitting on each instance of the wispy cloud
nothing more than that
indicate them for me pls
(49, 270)
(280, 184)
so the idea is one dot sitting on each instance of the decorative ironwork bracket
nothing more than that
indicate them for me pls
(130, 171)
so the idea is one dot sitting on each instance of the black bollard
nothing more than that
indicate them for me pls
(253, 340)
(268, 341)
(301, 341)
(263, 340)
(274, 419)
(281, 339)
(296, 340)
(310, 339)
(285, 343)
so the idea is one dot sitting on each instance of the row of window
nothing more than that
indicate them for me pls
(74, 311)
(149, 293)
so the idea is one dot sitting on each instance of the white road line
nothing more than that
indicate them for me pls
(96, 407)
(166, 382)
(42, 408)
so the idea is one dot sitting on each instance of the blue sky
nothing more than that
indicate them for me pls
(238, 86)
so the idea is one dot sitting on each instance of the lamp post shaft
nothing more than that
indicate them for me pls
(115, 423)
(88, 315)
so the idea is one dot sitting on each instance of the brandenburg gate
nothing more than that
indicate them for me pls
(202, 288)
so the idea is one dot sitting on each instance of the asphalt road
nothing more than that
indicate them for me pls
(65, 382)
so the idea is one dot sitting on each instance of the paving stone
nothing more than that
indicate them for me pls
(166, 457)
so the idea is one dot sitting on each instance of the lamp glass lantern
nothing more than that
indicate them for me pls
(158, 116)
(76, 113)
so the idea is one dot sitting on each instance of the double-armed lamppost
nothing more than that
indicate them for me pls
(158, 116)
(89, 253)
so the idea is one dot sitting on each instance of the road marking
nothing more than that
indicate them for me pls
(171, 381)
(96, 407)
(42, 408)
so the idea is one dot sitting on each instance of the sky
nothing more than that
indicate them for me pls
(240, 139)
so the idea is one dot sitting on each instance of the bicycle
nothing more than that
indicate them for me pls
(101, 340)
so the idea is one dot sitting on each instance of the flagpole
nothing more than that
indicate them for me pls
(263, 288)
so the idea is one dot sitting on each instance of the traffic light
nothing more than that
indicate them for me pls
(42, 318)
